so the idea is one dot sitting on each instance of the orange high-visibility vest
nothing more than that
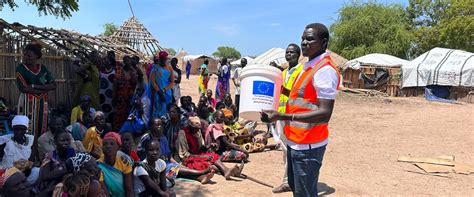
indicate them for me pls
(303, 98)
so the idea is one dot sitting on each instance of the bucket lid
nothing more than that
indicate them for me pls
(260, 68)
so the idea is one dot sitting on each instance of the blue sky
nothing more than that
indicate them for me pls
(198, 26)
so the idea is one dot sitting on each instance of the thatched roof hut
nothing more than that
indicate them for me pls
(58, 56)
(134, 34)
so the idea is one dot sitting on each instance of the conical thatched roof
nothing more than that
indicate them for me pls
(134, 34)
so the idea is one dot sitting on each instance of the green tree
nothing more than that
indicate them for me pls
(58, 8)
(109, 29)
(363, 28)
(170, 51)
(442, 23)
(227, 52)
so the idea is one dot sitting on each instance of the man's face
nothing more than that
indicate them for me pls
(56, 124)
(291, 54)
(310, 43)
(156, 125)
(243, 62)
(63, 141)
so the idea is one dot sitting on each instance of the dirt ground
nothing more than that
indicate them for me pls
(366, 137)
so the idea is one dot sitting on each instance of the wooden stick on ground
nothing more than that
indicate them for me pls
(255, 180)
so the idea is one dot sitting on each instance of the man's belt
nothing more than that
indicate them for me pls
(285, 91)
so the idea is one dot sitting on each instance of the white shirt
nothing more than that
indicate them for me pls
(139, 187)
(325, 81)
(14, 151)
(236, 77)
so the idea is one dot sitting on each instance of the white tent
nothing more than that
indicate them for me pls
(237, 62)
(440, 66)
(375, 59)
(276, 55)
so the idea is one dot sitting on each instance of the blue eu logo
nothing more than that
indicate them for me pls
(263, 88)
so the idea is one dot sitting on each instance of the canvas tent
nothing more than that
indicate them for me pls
(276, 55)
(197, 60)
(440, 66)
(376, 59)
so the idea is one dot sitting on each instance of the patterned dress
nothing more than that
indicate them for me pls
(106, 93)
(123, 95)
(35, 106)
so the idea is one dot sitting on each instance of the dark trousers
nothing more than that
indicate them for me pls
(303, 170)
(237, 102)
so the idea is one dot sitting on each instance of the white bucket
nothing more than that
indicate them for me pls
(260, 90)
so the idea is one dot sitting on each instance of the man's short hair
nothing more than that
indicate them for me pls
(321, 30)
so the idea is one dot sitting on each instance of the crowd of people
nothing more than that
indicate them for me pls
(129, 131)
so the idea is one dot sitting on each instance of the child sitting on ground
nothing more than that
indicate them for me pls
(217, 142)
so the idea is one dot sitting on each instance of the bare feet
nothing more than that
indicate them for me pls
(231, 172)
(204, 179)
(239, 171)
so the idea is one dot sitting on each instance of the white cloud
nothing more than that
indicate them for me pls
(228, 30)
(274, 24)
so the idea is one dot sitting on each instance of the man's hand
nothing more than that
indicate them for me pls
(270, 116)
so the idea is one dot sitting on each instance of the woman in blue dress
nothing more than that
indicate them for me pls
(223, 85)
(162, 81)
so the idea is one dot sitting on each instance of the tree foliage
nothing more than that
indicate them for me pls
(109, 29)
(170, 51)
(363, 28)
(442, 23)
(227, 52)
(58, 8)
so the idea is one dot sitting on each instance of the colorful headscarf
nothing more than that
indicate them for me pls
(162, 54)
(114, 136)
(6, 173)
(79, 160)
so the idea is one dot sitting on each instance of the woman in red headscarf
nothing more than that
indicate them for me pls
(162, 81)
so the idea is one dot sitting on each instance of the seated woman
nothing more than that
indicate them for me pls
(13, 183)
(16, 146)
(126, 148)
(229, 104)
(84, 106)
(173, 121)
(173, 168)
(46, 142)
(116, 168)
(53, 167)
(217, 141)
(80, 165)
(204, 110)
(192, 151)
(139, 115)
(78, 129)
(151, 172)
(93, 139)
